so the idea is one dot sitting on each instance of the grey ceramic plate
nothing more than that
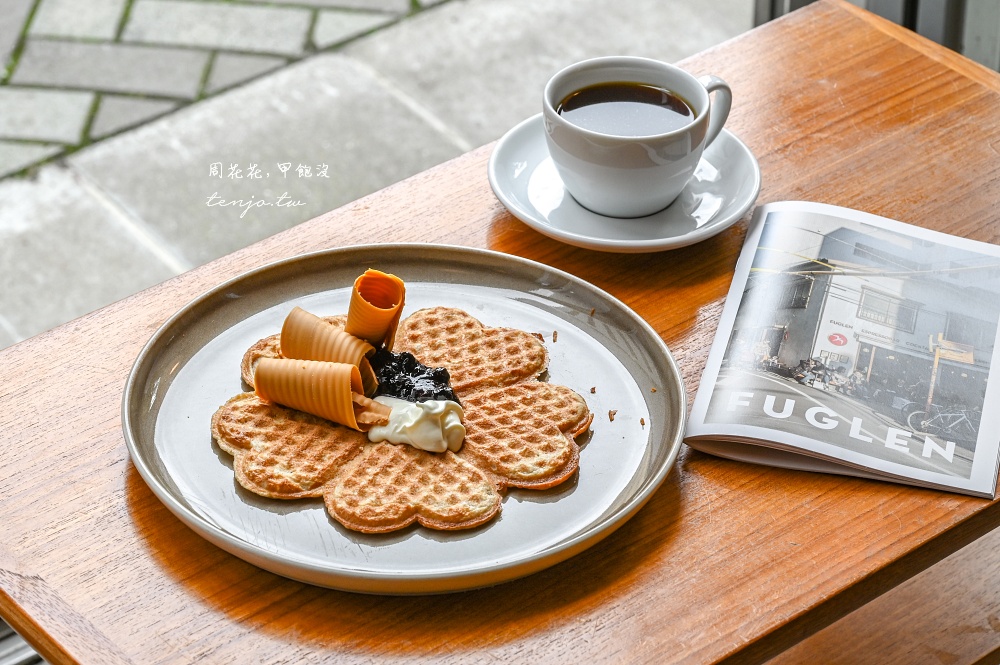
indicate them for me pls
(191, 366)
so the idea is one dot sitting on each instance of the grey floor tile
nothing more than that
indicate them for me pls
(15, 156)
(112, 67)
(44, 115)
(64, 18)
(231, 68)
(333, 27)
(281, 30)
(394, 6)
(397, 6)
(116, 112)
(325, 110)
(63, 254)
(14, 13)
(480, 65)
(8, 335)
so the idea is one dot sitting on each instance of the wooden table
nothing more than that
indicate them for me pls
(727, 561)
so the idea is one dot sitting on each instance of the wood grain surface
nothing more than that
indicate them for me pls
(947, 615)
(727, 561)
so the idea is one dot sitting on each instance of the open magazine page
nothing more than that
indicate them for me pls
(858, 340)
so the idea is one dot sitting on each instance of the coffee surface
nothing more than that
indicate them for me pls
(625, 108)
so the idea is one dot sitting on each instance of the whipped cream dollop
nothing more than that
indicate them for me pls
(434, 425)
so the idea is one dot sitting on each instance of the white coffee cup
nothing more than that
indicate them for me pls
(631, 176)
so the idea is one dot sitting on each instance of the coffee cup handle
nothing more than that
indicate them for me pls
(720, 105)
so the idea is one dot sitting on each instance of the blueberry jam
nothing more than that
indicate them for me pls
(403, 376)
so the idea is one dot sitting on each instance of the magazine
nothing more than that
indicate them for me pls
(855, 344)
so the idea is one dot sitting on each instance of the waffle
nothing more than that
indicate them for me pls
(475, 356)
(520, 433)
(282, 453)
(270, 347)
(523, 434)
(388, 487)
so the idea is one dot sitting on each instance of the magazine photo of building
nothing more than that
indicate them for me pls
(875, 341)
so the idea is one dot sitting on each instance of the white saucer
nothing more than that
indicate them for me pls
(523, 177)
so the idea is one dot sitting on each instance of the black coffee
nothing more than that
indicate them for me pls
(624, 108)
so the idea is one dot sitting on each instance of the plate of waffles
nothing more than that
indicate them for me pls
(574, 413)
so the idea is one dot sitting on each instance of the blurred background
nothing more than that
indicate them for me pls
(120, 119)
(142, 138)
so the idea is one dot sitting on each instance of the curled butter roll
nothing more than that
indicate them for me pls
(376, 303)
(325, 389)
(305, 336)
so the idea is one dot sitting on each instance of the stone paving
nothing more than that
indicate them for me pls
(156, 120)
(74, 72)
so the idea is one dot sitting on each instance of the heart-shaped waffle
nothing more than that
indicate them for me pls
(475, 356)
(523, 434)
(520, 433)
(282, 453)
(270, 347)
(388, 487)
